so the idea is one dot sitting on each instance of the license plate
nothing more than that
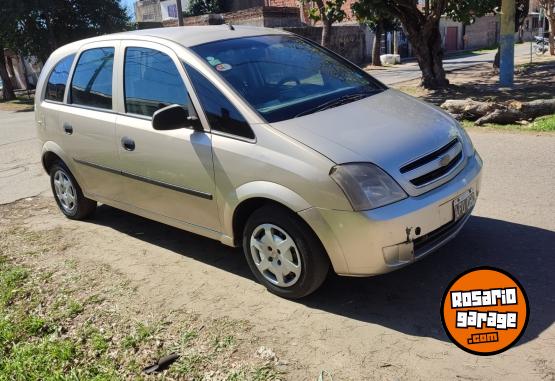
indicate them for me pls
(463, 204)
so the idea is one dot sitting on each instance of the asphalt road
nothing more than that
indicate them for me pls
(410, 70)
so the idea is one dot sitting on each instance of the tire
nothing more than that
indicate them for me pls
(277, 241)
(68, 194)
(539, 50)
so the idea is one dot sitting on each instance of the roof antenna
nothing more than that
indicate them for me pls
(231, 27)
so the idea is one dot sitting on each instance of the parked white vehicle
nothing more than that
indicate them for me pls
(257, 138)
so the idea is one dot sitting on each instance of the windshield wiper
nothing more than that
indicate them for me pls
(336, 102)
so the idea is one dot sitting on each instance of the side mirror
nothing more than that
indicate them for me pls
(174, 117)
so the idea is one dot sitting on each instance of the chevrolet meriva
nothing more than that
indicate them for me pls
(257, 138)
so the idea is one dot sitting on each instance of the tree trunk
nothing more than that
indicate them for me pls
(426, 42)
(7, 92)
(501, 113)
(377, 46)
(326, 34)
(552, 35)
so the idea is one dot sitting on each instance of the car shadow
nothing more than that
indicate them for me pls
(407, 300)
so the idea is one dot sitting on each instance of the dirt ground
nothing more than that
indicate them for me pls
(481, 83)
(381, 328)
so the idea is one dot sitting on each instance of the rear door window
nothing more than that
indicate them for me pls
(56, 85)
(92, 80)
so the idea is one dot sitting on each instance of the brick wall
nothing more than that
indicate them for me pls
(269, 17)
(283, 3)
(346, 40)
(236, 5)
(483, 33)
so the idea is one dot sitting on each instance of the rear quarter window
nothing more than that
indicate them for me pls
(56, 85)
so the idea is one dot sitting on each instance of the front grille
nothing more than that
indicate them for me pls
(434, 166)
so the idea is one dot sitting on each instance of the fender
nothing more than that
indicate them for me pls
(290, 199)
(254, 189)
(50, 146)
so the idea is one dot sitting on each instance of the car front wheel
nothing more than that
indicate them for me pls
(283, 253)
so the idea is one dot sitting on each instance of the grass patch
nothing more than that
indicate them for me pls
(141, 335)
(30, 345)
(21, 103)
(542, 124)
(545, 123)
(63, 318)
(223, 342)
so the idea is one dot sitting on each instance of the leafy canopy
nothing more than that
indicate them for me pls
(37, 27)
(203, 7)
(330, 11)
(375, 15)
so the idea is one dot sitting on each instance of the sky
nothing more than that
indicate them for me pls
(129, 5)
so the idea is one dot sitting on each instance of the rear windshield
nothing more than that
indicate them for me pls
(284, 77)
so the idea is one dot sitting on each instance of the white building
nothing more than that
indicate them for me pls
(169, 8)
(158, 10)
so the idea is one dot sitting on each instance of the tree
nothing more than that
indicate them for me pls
(549, 9)
(328, 12)
(7, 89)
(38, 27)
(421, 23)
(380, 20)
(203, 7)
(522, 10)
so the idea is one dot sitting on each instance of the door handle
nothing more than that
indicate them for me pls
(128, 144)
(68, 129)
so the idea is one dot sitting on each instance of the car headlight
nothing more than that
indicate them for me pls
(467, 142)
(366, 185)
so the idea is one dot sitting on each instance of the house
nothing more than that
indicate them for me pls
(157, 10)
(535, 24)
(23, 72)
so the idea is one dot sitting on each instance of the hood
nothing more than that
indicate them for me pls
(388, 129)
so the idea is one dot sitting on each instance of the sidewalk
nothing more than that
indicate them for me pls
(409, 70)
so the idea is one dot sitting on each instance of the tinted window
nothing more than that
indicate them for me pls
(151, 82)
(92, 79)
(285, 76)
(56, 85)
(221, 114)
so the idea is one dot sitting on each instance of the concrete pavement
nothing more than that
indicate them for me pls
(410, 70)
(21, 173)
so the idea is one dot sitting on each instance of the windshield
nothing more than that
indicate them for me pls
(284, 77)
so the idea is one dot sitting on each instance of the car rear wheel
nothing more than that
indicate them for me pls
(283, 253)
(68, 194)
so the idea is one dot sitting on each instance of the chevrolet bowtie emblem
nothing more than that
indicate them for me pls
(445, 160)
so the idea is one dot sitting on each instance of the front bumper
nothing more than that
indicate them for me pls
(384, 239)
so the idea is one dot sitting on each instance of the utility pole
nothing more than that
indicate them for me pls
(179, 13)
(507, 43)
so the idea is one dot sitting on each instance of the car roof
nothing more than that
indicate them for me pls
(192, 35)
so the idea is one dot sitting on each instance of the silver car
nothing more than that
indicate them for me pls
(257, 138)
